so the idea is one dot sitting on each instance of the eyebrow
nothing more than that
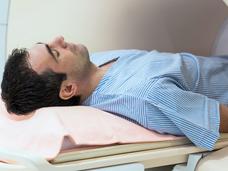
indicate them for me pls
(49, 50)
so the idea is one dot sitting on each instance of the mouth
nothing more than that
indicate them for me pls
(73, 47)
(76, 48)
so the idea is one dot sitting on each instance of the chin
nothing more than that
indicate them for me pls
(83, 50)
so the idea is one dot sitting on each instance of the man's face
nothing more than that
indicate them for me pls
(61, 57)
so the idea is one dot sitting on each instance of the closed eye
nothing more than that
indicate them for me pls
(55, 53)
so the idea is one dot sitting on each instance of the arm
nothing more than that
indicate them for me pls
(223, 119)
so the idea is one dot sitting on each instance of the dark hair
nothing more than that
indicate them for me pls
(24, 90)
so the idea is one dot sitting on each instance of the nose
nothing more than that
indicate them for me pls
(58, 42)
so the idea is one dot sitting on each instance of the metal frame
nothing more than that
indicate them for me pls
(4, 13)
(135, 161)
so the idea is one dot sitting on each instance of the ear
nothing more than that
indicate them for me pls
(67, 90)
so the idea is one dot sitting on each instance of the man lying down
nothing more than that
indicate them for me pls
(179, 94)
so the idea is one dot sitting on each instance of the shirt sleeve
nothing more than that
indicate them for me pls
(196, 115)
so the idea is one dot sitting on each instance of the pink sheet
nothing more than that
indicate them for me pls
(43, 132)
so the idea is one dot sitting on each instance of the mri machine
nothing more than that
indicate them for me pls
(175, 26)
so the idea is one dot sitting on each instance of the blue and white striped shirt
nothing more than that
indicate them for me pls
(170, 93)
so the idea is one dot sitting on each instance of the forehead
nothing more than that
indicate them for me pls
(39, 58)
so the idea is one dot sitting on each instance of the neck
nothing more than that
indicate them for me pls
(89, 84)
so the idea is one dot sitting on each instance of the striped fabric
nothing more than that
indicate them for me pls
(170, 93)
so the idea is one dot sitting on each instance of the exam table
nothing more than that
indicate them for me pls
(174, 38)
(134, 157)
